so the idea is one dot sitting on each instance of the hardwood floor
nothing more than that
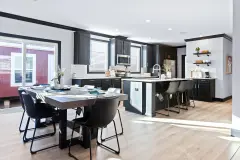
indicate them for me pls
(201, 133)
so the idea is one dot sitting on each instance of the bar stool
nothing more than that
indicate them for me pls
(190, 85)
(172, 90)
(182, 89)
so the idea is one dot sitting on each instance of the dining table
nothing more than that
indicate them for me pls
(70, 99)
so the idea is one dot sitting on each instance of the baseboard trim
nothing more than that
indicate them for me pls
(223, 99)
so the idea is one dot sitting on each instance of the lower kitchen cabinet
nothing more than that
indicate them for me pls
(104, 84)
(204, 89)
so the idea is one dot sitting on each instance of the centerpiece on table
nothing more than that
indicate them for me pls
(59, 76)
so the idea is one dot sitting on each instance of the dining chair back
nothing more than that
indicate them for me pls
(102, 112)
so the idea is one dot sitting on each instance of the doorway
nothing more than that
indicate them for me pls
(183, 65)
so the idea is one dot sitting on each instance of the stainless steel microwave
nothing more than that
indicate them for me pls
(123, 60)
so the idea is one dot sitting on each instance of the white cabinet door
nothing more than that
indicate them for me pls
(136, 95)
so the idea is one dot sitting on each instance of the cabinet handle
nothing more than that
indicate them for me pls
(198, 85)
(136, 89)
(91, 80)
(195, 86)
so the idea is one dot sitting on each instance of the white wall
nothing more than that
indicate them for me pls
(180, 52)
(34, 30)
(219, 48)
(236, 66)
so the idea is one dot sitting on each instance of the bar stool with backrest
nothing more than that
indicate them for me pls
(190, 85)
(172, 90)
(102, 114)
(37, 111)
(182, 92)
(114, 90)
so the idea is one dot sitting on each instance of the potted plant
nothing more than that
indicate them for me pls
(197, 49)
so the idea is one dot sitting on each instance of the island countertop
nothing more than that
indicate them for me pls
(152, 80)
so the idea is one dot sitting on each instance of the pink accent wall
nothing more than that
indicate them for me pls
(41, 70)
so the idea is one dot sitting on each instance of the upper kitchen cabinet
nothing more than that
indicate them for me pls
(121, 46)
(81, 47)
(126, 48)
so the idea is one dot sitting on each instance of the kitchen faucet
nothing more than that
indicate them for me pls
(157, 69)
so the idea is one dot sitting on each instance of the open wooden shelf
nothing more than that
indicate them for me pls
(207, 63)
(198, 54)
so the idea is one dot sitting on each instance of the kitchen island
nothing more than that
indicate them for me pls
(142, 94)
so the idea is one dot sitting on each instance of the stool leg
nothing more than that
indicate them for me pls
(178, 101)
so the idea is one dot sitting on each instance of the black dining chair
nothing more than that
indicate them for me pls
(101, 114)
(20, 91)
(114, 90)
(37, 111)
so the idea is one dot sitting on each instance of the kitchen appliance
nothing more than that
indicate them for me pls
(207, 75)
(123, 60)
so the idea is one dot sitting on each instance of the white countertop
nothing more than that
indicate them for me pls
(156, 79)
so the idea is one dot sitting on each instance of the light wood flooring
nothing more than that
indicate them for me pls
(201, 133)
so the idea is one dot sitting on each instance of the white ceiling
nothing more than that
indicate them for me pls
(195, 17)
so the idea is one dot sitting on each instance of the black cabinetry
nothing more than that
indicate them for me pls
(204, 89)
(103, 83)
(81, 47)
(121, 46)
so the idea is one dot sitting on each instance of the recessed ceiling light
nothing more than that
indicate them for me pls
(148, 21)
(169, 29)
(149, 38)
(200, 36)
(116, 30)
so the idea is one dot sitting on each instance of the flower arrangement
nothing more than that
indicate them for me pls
(59, 74)
(167, 67)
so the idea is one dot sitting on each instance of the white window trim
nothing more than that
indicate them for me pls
(13, 84)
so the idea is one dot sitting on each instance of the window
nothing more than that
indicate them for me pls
(24, 62)
(135, 59)
(16, 69)
(98, 56)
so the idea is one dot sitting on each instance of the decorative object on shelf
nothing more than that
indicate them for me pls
(203, 52)
(197, 49)
(59, 75)
(229, 65)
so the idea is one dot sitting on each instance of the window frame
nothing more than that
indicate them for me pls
(13, 69)
(108, 58)
(28, 40)
(140, 58)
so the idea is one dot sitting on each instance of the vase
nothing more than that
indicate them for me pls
(62, 82)
(169, 75)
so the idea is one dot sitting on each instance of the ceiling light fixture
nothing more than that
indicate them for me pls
(116, 29)
(200, 36)
(148, 21)
(169, 29)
